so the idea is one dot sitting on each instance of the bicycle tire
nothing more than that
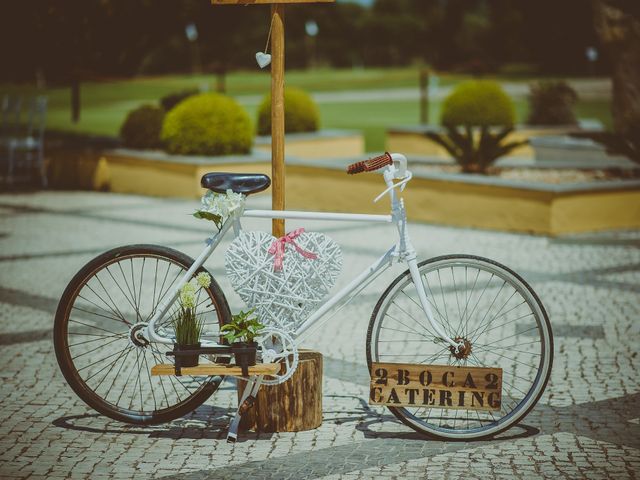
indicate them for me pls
(108, 313)
(542, 328)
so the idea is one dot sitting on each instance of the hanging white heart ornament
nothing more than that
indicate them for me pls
(283, 298)
(263, 59)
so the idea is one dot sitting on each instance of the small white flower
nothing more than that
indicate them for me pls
(203, 279)
(234, 200)
(208, 200)
(188, 295)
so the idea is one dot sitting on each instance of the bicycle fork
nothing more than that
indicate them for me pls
(409, 254)
(426, 306)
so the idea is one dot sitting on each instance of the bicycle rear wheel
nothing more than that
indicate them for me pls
(106, 364)
(478, 301)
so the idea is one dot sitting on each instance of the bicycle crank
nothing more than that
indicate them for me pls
(277, 346)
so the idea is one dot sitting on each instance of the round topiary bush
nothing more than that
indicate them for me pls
(300, 113)
(207, 124)
(479, 103)
(141, 128)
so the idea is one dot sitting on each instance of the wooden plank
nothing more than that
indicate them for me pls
(277, 116)
(216, 369)
(265, 2)
(436, 386)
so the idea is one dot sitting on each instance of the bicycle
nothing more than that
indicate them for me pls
(454, 310)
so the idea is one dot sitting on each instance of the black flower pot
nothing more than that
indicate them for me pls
(244, 354)
(186, 360)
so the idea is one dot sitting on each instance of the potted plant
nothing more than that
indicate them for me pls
(241, 333)
(186, 324)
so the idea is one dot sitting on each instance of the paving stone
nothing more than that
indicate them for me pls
(586, 424)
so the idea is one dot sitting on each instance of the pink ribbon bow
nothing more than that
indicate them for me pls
(278, 248)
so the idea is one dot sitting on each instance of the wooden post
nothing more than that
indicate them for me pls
(424, 96)
(292, 406)
(296, 404)
(277, 116)
(277, 98)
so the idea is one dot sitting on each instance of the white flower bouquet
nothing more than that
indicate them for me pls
(218, 207)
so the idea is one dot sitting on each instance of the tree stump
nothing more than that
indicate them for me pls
(293, 406)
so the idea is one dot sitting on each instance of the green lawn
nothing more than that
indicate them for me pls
(106, 103)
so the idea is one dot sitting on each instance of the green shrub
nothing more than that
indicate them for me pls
(170, 100)
(478, 117)
(207, 124)
(478, 103)
(141, 128)
(300, 113)
(552, 103)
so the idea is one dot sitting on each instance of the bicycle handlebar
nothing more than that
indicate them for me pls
(371, 164)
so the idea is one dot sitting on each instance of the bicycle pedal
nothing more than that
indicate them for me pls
(247, 405)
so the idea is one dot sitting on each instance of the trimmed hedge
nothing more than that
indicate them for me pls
(141, 128)
(479, 103)
(300, 113)
(207, 124)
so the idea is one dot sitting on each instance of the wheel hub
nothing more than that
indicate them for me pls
(136, 335)
(462, 351)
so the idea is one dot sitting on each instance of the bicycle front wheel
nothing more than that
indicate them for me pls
(98, 334)
(498, 316)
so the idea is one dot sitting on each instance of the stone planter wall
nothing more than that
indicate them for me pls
(475, 201)
(453, 199)
(157, 173)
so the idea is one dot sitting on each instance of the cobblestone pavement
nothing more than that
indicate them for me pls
(585, 426)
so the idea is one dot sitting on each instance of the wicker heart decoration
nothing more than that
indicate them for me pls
(286, 297)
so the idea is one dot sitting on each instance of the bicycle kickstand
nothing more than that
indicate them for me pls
(244, 404)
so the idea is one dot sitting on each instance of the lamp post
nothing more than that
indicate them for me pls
(191, 32)
(311, 28)
(591, 53)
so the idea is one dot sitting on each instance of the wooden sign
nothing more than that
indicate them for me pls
(435, 386)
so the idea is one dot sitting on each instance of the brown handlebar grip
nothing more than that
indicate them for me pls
(371, 164)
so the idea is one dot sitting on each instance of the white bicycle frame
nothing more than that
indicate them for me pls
(402, 251)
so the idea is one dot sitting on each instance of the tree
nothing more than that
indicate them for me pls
(556, 34)
(618, 25)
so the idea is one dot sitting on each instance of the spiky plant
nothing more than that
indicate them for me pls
(188, 328)
(475, 151)
(186, 325)
(626, 143)
(477, 118)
